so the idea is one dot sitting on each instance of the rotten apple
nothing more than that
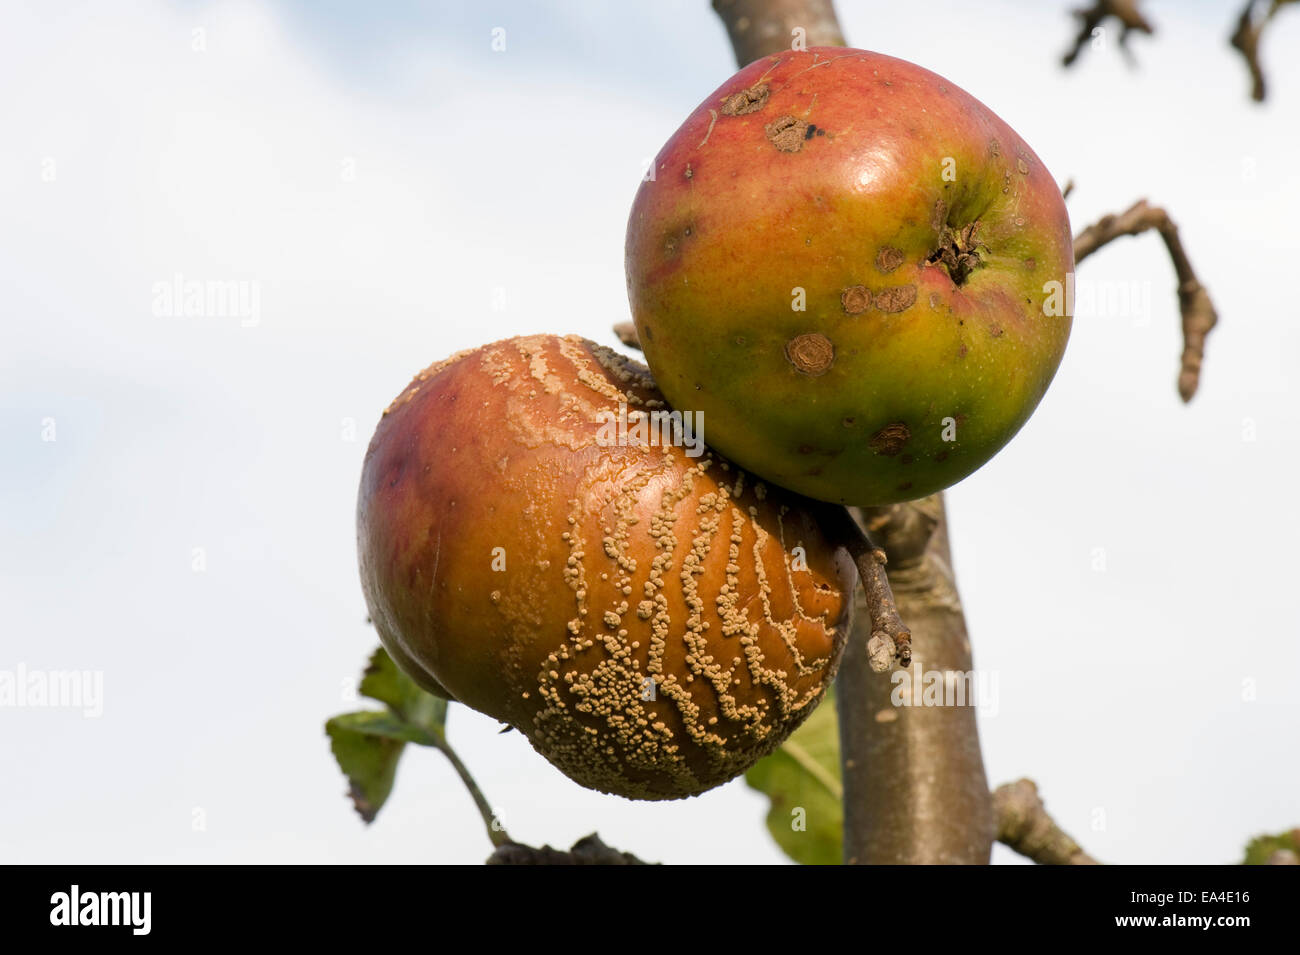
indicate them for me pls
(540, 539)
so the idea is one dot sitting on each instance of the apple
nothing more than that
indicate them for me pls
(542, 541)
(855, 271)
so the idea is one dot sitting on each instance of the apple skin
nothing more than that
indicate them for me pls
(846, 174)
(515, 562)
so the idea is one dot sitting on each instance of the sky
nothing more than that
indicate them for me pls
(382, 188)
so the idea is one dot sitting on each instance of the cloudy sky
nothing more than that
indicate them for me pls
(177, 491)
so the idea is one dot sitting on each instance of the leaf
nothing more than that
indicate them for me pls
(369, 761)
(802, 779)
(368, 744)
(384, 724)
(383, 681)
(1260, 850)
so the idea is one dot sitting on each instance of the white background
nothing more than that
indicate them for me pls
(1125, 692)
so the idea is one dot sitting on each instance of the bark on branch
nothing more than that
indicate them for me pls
(1199, 316)
(914, 784)
(762, 27)
(1024, 825)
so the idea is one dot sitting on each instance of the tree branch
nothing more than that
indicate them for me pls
(914, 782)
(1199, 316)
(762, 27)
(1125, 11)
(589, 850)
(1245, 39)
(1024, 825)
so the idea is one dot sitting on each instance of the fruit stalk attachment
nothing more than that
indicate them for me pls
(891, 640)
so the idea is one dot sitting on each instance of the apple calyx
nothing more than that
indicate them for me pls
(959, 253)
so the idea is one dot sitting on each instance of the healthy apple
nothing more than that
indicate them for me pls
(855, 271)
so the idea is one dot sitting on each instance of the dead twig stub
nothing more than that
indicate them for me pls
(1199, 316)
(1024, 825)
(1255, 16)
(1091, 18)
(625, 332)
(890, 642)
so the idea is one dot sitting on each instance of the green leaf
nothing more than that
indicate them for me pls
(383, 681)
(802, 779)
(384, 724)
(368, 760)
(368, 744)
(1260, 850)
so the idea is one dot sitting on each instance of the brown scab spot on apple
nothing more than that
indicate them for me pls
(897, 299)
(941, 456)
(891, 439)
(1031, 264)
(995, 150)
(888, 259)
(786, 133)
(1022, 167)
(812, 354)
(746, 101)
(939, 216)
(849, 421)
(855, 300)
